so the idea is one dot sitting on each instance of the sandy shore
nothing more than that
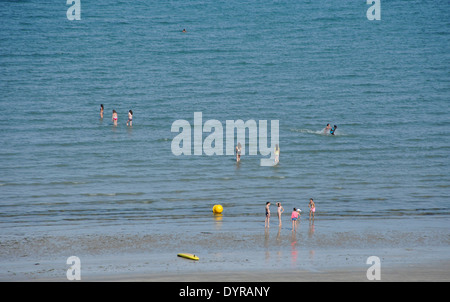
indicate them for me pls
(278, 265)
(431, 272)
(422, 273)
(327, 254)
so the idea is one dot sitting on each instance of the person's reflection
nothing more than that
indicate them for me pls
(279, 236)
(130, 131)
(294, 251)
(311, 230)
(311, 255)
(310, 235)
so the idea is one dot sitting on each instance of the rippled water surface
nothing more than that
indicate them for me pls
(304, 63)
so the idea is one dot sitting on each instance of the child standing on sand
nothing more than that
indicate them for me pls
(294, 217)
(279, 211)
(266, 224)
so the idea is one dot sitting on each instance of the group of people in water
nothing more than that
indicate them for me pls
(114, 117)
(295, 215)
(329, 129)
(238, 150)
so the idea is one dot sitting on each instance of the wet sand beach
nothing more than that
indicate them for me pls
(313, 253)
(431, 272)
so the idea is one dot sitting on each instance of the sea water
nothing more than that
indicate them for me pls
(385, 83)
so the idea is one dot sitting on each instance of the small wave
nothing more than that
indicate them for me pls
(99, 194)
(163, 139)
(53, 183)
(316, 132)
(67, 183)
(114, 194)
(308, 131)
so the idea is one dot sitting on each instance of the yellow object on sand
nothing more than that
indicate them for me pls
(188, 256)
(217, 209)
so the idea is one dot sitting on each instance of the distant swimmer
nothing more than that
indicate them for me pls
(333, 130)
(101, 110)
(184, 30)
(327, 129)
(114, 117)
(238, 152)
(130, 118)
(277, 154)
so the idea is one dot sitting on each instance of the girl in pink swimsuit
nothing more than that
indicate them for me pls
(114, 117)
(294, 217)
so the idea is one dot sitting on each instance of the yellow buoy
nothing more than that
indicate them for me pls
(217, 209)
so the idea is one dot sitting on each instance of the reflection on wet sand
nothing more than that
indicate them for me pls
(296, 241)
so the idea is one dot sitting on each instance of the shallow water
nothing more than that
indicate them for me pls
(303, 63)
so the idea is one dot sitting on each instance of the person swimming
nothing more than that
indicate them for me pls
(333, 130)
(327, 129)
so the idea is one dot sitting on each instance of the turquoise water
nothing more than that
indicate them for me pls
(304, 63)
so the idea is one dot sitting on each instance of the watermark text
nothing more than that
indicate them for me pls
(213, 144)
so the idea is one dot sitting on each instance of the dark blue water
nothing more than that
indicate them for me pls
(304, 63)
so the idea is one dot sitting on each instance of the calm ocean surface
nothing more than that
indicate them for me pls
(386, 84)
